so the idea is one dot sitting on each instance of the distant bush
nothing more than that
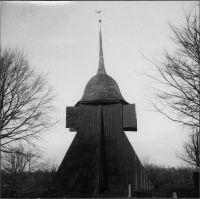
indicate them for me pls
(161, 175)
(156, 186)
(195, 178)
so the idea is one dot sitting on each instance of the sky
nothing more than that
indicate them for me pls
(62, 39)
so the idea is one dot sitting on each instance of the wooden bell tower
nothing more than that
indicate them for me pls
(101, 157)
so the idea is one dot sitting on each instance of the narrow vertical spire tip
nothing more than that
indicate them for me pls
(101, 69)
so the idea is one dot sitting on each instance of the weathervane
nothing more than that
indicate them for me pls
(99, 12)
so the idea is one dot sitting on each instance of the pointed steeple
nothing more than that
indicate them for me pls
(101, 88)
(101, 69)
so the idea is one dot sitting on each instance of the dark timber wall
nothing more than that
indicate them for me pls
(100, 156)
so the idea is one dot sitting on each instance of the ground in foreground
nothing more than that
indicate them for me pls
(164, 191)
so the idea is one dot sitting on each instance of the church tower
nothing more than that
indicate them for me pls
(101, 157)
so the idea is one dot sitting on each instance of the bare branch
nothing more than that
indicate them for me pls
(190, 149)
(178, 73)
(26, 99)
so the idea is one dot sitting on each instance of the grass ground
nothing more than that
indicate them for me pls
(164, 191)
(182, 191)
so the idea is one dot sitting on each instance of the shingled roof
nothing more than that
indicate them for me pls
(102, 87)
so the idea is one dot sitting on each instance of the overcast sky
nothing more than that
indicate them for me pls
(62, 38)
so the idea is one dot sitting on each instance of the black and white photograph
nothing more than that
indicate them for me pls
(99, 99)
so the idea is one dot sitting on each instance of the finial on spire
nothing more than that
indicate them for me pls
(101, 69)
(99, 12)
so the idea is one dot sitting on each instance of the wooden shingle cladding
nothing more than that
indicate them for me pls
(102, 88)
(100, 156)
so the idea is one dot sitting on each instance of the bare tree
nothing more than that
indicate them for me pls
(26, 99)
(178, 73)
(50, 165)
(18, 167)
(49, 169)
(162, 175)
(147, 162)
(190, 150)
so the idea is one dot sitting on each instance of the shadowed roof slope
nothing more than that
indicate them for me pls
(102, 87)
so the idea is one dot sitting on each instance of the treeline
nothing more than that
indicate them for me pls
(161, 175)
(22, 184)
(25, 171)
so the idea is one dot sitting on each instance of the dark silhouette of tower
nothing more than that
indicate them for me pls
(101, 157)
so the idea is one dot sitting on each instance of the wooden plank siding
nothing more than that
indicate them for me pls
(101, 156)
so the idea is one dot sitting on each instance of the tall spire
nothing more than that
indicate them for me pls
(101, 88)
(101, 69)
